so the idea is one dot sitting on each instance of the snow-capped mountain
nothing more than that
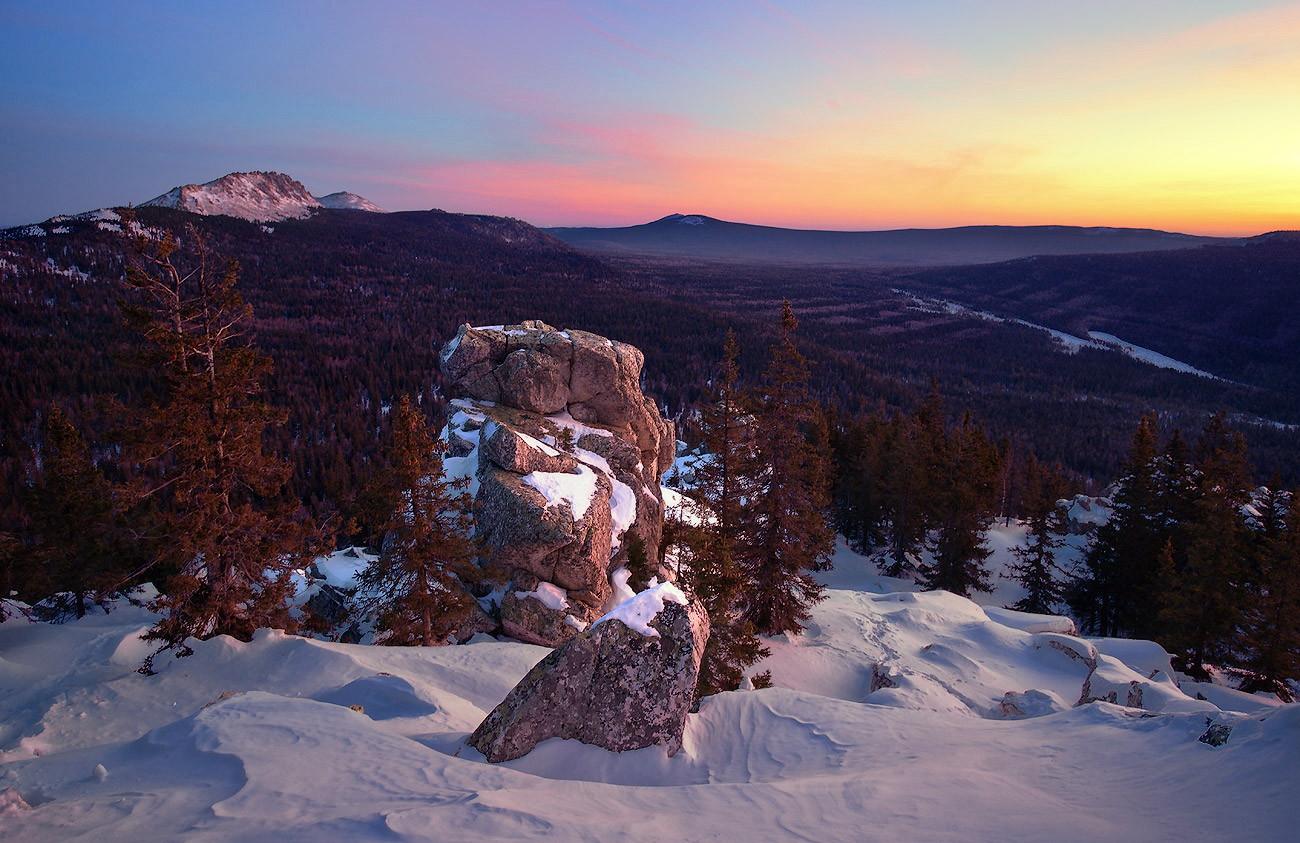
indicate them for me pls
(257, 196)
(346, 201)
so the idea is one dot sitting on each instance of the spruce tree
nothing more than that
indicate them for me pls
(206, 470)
(968, 505)
(81, 548)
(421, 583)
(785, 535)
(712, 572)
(911, 465)
(1206, 606)
(1117, 592)
(857, 488)
(1269, 636)
(1035, 567)
(11, 557)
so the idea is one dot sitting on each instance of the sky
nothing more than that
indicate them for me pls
(839, 114)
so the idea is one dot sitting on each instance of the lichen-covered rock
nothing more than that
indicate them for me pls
(530, 620)
(524, 530)
(612, 686)
(520, 453)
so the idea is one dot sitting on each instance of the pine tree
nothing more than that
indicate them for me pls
(208, 475)
(1035, 567)
(785, 535)
(1118, 590)
(421, 584)
(968, 506)
(713, 573)
(81, 549)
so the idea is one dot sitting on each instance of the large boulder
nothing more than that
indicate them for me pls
(565, 455)
(534, 367)
(625, 683)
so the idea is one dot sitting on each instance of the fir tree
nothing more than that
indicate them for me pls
(81, 549)
(968, 505)
(713, 573)
(1035, 567)
(785, 536)
(421, 582)
(208, 474)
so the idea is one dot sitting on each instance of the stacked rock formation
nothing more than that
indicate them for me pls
(565, 455)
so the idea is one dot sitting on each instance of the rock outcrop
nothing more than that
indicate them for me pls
(565, 455)
(626, 683)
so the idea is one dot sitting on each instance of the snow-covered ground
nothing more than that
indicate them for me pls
(1067, 343)
(971, 733)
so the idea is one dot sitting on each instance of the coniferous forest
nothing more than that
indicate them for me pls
(260, 420)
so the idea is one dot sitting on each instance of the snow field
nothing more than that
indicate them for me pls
(298, 739)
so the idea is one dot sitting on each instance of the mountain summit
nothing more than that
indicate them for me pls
(257, 197)
(345, 201)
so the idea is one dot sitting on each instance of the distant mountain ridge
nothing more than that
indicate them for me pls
(256, 197)
(700, 236)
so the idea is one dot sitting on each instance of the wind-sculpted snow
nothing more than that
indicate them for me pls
(286, 738)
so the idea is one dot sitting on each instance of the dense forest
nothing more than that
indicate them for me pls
(915, 425)
(353, 307)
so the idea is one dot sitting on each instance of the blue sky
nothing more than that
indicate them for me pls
(1176, 115)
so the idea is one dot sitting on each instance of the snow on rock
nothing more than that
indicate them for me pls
(256, 196)
(637, 612)
(1085, 513)
(345, 201)
(1030, 622)
(574, 491)
(625, 683)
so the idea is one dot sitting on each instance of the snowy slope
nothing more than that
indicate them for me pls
(259, 741)
(256, 196)
(349, 202)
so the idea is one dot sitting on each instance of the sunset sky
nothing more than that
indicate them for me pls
(845, 115)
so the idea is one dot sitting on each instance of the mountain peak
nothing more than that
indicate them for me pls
(255, 196)
(684, 219)
(343, 200)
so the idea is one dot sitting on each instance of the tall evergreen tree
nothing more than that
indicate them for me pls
(968, 506)
(1035, 567)
(857, 488)
(911, 466)
(1206, 605)
(211, 479)
(1270, 632)
(1118, 590)
(421, 583)
(81, 545)
(713, 572)
(785, 536)
(11, 555)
